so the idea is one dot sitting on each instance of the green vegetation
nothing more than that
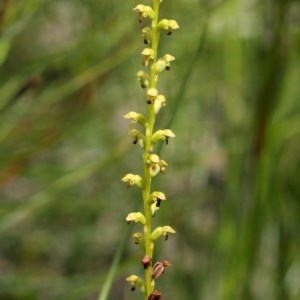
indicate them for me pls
(67, 77)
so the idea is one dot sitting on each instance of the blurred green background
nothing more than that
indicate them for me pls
(67, 78)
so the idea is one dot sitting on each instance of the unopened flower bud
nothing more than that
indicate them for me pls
(146, 261)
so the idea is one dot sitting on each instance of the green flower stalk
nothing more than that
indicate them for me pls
(146, 139)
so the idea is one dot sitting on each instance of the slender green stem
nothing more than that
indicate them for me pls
(152, 164)
(155, 40)
(149, 246)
